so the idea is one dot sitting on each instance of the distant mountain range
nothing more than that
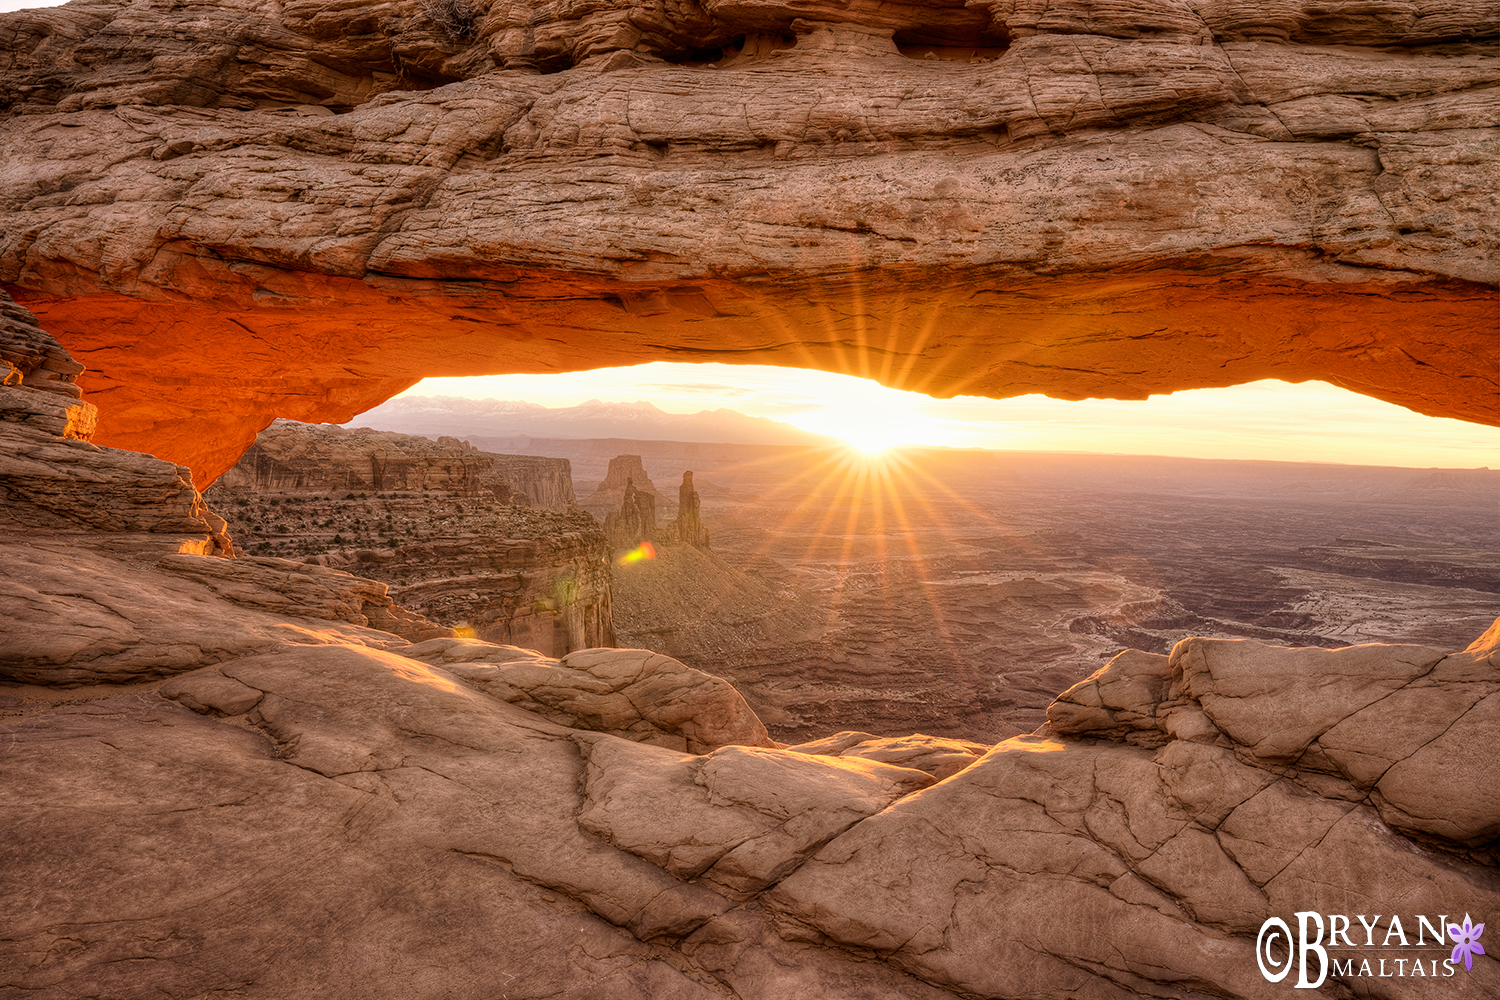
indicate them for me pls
(431, 416)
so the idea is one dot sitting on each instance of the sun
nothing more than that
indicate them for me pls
(870, 438)
(871, 444)
(871, 417)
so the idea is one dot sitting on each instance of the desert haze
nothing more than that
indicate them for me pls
(956, 592)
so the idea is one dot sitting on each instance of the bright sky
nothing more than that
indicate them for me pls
(29, 4)
(1307, 422)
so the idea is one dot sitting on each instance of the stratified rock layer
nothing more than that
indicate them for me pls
(687, 527)
(536, 479)
(454, 538)
(80, 519)
(625, 472)
(544, 585)
(289, 456)
(1073, 198)
(634, 522)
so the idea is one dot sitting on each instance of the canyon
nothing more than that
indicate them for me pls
(251, 775)
(956, 593)
(451, 530)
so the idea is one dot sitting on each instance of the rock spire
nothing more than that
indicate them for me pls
(687, 528)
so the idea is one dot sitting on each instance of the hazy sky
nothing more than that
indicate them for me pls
(1311, 421)
(28, 4)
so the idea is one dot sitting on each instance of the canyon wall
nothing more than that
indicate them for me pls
(543, 482)
(1078, 199)
(439, 522)
(547, 588)
(291, 456)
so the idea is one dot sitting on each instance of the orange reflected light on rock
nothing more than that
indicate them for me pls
(412, 671)
(640, 553)
(1028, 744)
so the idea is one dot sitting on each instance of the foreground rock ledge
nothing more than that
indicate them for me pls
(1071, 198)
(355, 821)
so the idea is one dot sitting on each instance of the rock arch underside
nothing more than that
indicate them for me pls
(250, 777)
(234, 210)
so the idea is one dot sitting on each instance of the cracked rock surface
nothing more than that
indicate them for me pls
(360, 821)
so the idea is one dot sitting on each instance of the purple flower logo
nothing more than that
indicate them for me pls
(1468, 944)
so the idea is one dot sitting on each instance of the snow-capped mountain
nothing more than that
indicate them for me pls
(458, 416)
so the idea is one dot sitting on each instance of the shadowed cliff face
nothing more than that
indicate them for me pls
(298, 211)
(440, 522)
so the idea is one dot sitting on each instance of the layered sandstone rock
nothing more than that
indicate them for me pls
(453, 537)
(293, 457)
(634, 521)
(35, 360)
(290, 456)
(305, 590)
(625, 473)
(535, 479)
(512, 574)
(544, 584)
(57, 483)
(1106, 199)
(81, 519)
(687, 527)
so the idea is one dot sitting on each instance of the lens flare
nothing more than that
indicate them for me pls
(640, 553)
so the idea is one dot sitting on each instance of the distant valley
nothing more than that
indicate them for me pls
(955, 592)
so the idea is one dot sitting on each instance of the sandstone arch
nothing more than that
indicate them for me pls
(232, 210)
(301, 213)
